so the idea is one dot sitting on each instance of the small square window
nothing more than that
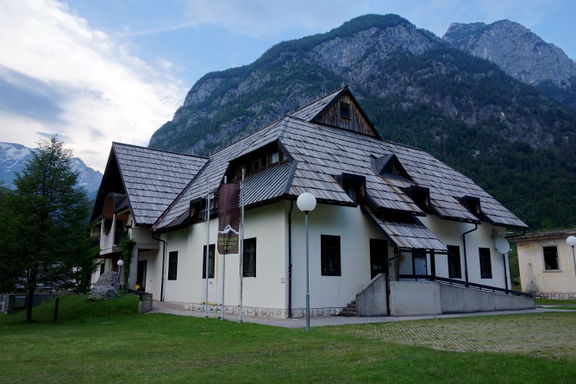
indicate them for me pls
(275, 157)
(551, 258)
(345, 110)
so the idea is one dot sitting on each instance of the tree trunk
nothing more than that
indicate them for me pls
(29, 303)
(31, 288)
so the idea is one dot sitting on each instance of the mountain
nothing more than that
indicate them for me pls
(520, 53)
(418, 90)
(13, 157)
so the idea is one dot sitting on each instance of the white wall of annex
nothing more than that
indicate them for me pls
(535, 278)
(355, 230)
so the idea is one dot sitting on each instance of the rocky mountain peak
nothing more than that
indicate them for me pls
(515, 49)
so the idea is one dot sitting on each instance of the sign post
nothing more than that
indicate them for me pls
(228, 226)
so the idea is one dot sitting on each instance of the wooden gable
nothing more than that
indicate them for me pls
(345, 112)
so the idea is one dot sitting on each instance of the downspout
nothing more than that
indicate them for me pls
(465, 252)
(290, 259)
(163, 266)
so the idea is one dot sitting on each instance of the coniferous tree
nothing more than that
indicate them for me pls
(45, 242)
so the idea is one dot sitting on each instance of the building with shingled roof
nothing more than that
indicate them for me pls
(396, 231)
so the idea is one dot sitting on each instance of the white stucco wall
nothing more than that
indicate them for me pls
(533, 275)
(266, 290)
(355, 230)
(450, 233)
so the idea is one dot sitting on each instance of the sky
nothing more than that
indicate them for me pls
(97, 71)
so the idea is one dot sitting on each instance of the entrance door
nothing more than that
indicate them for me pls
(378, 257)
(141, 275)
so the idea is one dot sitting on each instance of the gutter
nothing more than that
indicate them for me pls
(466, 253)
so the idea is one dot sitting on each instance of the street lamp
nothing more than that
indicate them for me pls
(306, 202)
(571, 241)
(503, 246)
(120, 264)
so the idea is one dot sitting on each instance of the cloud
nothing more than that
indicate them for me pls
(60, 76)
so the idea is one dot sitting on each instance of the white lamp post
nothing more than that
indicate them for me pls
(503, 246)
(571, 241)
(120, 264)
(306, 202)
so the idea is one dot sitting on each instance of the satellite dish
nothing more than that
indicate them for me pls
(571, 241)
(502, 245)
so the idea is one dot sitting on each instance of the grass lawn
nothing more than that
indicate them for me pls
(555, 302)
(108, 342)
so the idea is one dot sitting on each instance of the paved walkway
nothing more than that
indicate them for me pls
(175, 309)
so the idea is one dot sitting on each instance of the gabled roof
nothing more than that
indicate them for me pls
(151, 178)
(319, 153)
(210, 177)
(313, 109)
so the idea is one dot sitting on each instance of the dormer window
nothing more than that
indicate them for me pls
(473, 204)
(353, 185)
(420, 196)
(389, 165)
(345, 110)
(275, 157)
(257, 165)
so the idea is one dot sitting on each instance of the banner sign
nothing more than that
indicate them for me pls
(228, 218)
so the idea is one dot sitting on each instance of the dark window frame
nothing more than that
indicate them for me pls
(173, 265)
(454, 262)
(555, 255)
(249, 257)
(485, 258)
(211, 261)
(330, 255)
(345, 110)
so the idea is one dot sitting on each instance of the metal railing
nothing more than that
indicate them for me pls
(462, 283)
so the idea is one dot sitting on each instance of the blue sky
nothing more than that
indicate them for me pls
(116, 70)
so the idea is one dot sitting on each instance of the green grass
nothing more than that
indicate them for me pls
(555, 302)
(108, 342)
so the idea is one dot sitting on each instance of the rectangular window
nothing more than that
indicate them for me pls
(275, 157)
(211, 255)
(345, 110)
(101, 268)
(454, 267)
(249, 260)
(551, 258)
(485, 263)
(330, 255)
(173, 265)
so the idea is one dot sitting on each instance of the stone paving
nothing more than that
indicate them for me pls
(540, 334)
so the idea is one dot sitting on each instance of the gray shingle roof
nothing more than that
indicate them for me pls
(319, 153)
(409, 233)
(153, 178)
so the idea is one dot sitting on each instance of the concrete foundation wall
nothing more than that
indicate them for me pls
(461, 299)
(412, 298)
(372, 301)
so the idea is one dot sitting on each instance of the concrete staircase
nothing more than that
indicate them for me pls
(351, 310)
